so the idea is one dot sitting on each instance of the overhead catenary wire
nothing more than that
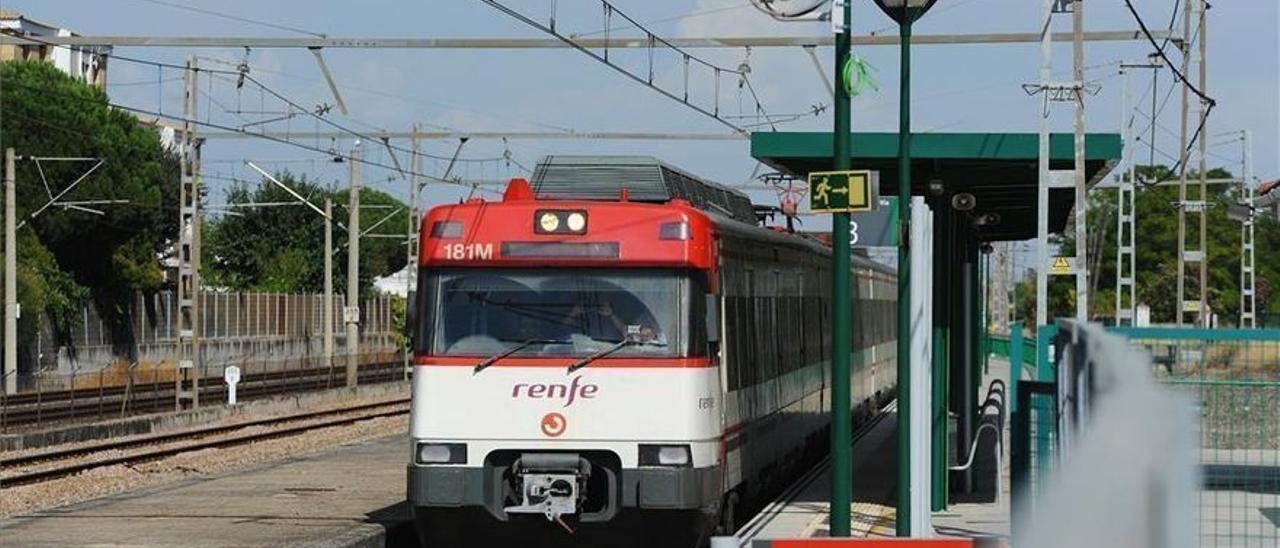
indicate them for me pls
(231, 17)
(215, 125)
(279, 96)
(654, 41)
(691, 15)
(1142, 25)
(1173, 86)
(1208, 102)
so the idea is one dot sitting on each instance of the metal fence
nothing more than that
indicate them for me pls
(1032, 438)
(1234, 374)
(272, 325)
(270, 331)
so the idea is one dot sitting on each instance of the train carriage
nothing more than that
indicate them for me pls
(619, 352)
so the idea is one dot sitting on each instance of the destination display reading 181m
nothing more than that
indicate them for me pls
(841, 191)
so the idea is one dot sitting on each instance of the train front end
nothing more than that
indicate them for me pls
(565, 378)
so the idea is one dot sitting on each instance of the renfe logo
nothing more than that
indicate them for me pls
(569, 392)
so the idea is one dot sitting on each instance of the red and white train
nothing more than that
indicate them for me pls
(619, 353)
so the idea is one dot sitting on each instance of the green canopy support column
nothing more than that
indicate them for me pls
(963, 337)
(942, 294)
(841, 304)
(976, 335)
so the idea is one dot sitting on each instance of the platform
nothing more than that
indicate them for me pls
(349, 496)
(802, 512)
(353, 496)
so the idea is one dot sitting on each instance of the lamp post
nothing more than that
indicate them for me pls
(904, 12)
(841, 316)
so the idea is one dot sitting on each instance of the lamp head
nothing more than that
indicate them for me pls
(904, 11)
(963, 201)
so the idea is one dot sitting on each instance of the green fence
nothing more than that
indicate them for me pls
(1033, 436)
(1234, 375)
(1000, 345)
(1034, 415)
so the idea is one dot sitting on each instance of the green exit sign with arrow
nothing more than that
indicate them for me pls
(842, 191)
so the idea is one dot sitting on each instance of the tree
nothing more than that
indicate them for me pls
(69, 255)
(1157, 246)
(281, 249)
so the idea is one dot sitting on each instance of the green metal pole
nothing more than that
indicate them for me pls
(841, 323)
(941, 349)
(984, 285)
(975, 343)
(905, 487)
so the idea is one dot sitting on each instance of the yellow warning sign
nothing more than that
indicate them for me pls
(1190, 306)
(1061, 266)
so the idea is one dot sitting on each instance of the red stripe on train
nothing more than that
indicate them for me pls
(602, 363)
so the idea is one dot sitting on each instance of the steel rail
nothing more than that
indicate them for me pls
(56, 406)
(71, 469)
(25, 460)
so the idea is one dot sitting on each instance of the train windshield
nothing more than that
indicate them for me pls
(556, 312)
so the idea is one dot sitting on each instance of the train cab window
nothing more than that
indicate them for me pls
(565, 312)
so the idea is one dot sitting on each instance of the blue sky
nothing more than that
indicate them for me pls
(956, 88)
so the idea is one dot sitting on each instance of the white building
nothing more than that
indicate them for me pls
(396, 283)
(86, 63)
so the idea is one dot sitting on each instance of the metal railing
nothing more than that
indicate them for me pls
(992, 424)
(274, 326)
(1232, 375)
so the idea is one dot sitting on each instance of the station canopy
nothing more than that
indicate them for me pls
(999, 169)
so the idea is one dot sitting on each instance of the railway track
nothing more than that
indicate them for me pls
(28, 409)
(141, 449)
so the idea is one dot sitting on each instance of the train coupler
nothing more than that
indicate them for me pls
(550, 484)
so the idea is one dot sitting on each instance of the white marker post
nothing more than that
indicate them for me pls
(232, 376)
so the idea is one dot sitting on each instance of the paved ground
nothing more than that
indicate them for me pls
(874, 473)
(980, 514)
(347, 496)
(354, 496)
(973, 515)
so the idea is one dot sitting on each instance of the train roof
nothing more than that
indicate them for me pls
(792, 239)
(648, 179)
(645, 178)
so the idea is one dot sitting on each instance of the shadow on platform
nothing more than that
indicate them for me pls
(397, 521)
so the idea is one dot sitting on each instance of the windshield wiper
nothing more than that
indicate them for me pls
(616, 347)
(523, 345)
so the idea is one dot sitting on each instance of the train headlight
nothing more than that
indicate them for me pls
(665, 455)
(549, 221)
(560, 221)
(440, 453)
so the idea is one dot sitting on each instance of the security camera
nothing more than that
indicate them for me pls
(963, 202)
